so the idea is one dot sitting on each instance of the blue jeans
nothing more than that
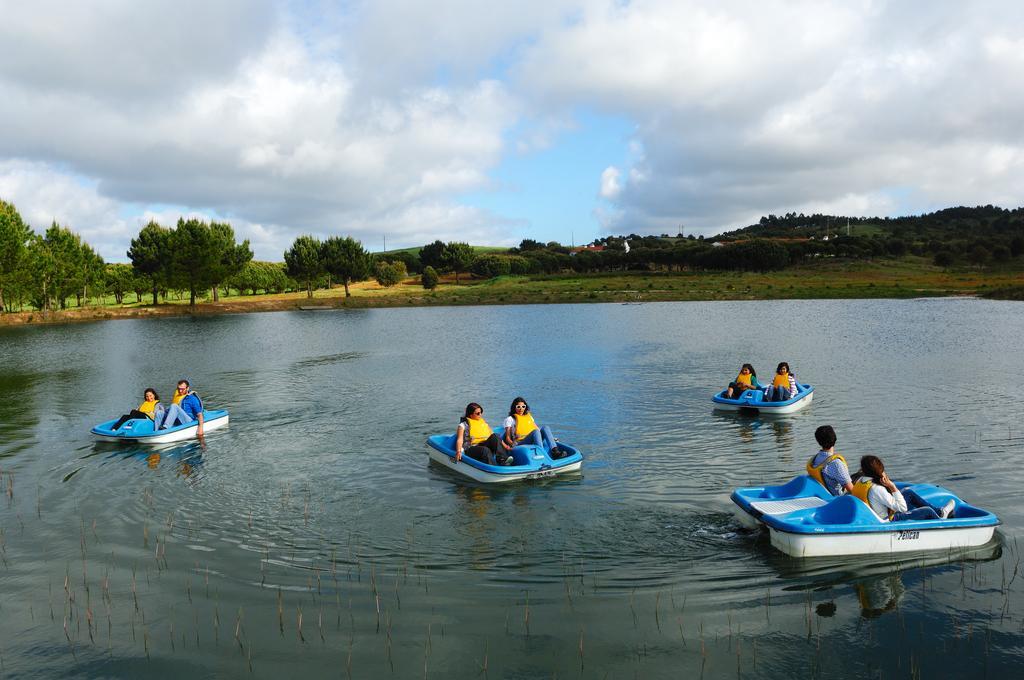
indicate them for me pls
(174, 415)
(539, 437)
(916, 508)
(778, 394)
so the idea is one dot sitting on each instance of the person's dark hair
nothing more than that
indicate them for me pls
(781, 364)
(873, 467)
(750, 368)
(184, 381)
(826, 437)
(150, 389)
(470, 407)
(518, 400)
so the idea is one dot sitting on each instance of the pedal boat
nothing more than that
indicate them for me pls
(754, 401)
(530, 461)
(804, 520)
(140, 430)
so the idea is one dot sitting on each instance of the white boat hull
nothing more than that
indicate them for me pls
(492, 478)
(170, 437)
(878, 542)
(769, 410)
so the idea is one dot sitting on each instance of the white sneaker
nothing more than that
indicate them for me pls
(510, 461)
(947, 509)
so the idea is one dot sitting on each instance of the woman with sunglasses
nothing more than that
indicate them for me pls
(475, 437)
(520, 428)
(783, 386)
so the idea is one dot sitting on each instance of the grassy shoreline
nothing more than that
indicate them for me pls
(904, 278)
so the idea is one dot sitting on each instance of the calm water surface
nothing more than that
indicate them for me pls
(313, 535)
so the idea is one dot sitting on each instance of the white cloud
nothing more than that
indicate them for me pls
(749, 108)
(611, 187)
(378, 117)
(43, 196)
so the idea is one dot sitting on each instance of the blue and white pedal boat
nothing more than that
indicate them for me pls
(140, 430)
(531, 462)
(804, 520)
(754, 401)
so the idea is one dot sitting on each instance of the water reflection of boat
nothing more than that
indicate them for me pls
(531, 462)
(186, 457)
(140, 430)
(829, 571)
(877, 580)
(754, 401)
(804, 520)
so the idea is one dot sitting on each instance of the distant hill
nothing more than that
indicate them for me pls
(415, 250)
(943, 225)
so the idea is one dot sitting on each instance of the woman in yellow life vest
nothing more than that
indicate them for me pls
(149, 408)
(874, 487)
(746, 380)
(475, 437)
(520, 428)
(783, 387)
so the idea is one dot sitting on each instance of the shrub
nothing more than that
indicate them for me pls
(520, 265)
(943, 258)
(490, 266)
(389, 274)
(429, 278)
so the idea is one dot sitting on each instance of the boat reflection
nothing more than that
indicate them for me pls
(185, 457)
(748, 423)
(876, 580)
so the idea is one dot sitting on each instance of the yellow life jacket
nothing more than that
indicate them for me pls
(477, 431)
(524, 426)
(148, 407)
(817, 472)
(860, 490)
(744, 379)
(179, 397)
(781, 380)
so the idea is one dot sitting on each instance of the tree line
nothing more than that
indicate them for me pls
(315, 263)
(49, 270)
(46, 271)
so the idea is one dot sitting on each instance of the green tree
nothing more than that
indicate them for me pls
(457, 257)
(150, 253)
(432, 255)
(63, 255)
(979, 254)
(91, 272)
(229, 257)
(303, 261)
(195, 257)
(14, 239)
(390, 274)
(490, 266)
(429, 278)
(119, 279)
(410, 259)
(345, 260)
(252, 277)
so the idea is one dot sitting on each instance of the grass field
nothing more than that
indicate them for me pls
(903, 278)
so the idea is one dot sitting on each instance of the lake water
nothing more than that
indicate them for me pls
(312, 535)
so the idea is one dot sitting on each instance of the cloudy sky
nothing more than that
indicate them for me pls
(493, 122)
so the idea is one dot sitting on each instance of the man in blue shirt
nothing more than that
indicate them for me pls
(827, 466)
(187, 407)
